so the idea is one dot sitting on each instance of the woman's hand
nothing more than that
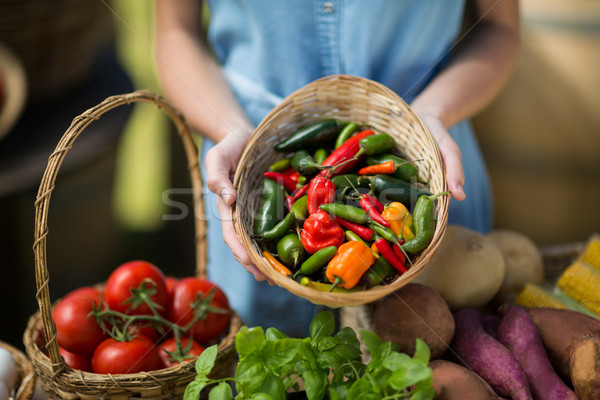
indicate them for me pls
(220, 163)
(451, 154)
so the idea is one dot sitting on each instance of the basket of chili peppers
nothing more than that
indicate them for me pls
(341, 193)
(133, 301)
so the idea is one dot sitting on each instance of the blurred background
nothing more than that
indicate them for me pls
(540, 138)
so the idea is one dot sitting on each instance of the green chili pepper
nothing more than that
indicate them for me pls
(326, 287)
(391, 189)
(303, 162)
(404, 170)
(378, 272)
(351, 236)
(376, 144)
(317, 260)
(271, 208)
(317, 132)
(384, 232)
(290, 250)
(347, 212)
(300, 209)
(424, 223)
(320, 155)
(349, 180)
(279, 165)
(345, 134)
(278, 230)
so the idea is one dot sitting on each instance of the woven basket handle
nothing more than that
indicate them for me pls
(47, 186)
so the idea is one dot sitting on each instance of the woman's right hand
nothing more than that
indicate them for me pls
(220, 163)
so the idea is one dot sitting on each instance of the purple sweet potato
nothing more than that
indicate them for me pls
(455, 382)
(487, 357)
(560, 329)
(518, 333)
(585, 367)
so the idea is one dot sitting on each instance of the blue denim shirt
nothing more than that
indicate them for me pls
(269, 48)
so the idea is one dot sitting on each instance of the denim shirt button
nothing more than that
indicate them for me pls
(328, 7)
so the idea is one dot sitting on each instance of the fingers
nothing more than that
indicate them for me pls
(451, 154)
(218, 172)
(231, 239)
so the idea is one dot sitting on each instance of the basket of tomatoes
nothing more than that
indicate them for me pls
(137, 334)
(341, 193)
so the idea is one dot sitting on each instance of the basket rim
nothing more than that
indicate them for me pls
(338, 299)
(44, 313)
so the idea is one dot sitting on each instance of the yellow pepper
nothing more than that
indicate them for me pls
(401, 222)
(350, 262)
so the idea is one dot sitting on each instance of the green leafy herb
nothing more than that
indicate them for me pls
(272, 364)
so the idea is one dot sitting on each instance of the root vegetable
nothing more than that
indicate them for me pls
(487, 357)
(518, 333)
(522, 260)
(454, 382)
(467, 270)
(585, 367)
(560, 329)
(415, 311)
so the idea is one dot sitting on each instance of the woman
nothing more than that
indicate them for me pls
(260, 51)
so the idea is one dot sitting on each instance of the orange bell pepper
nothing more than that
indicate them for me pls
(401, 222)
(350, 262)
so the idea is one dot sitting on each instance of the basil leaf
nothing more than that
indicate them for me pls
(248, 340)
(315, 383)
(260, 396)
(422, 352)
(323, 324)
(280, 352)
(414, 371)
(206, 360)
(325, 343)
(372, 342)
(193, 389)
(273, 386)
(220, 392)
(273, 334)
(361, 388)
(250, 373)
(396, 361)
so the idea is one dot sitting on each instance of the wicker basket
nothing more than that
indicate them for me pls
(352, 99)
(56, 378)
(26, 376)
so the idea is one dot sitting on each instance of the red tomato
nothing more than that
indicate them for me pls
(76, 330)
(170, 345)
(136, 355)
(76, 361)
(145, 330)
(86, 291)
(171, 282)
(130, 276)
(191, 291)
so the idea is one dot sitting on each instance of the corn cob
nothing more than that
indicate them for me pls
(581, 282)
(591, 254)
(535, 296)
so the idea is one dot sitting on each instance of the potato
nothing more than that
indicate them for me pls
(522, 260)
(467, 269)
(414, 311)
(585, 367)
(454, 382)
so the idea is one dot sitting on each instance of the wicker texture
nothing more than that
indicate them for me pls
(347, 98)
(56, 378)
(26, 375)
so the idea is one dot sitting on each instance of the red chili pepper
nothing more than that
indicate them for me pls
(369, 207)
(320, 191)
(287, 182)
(388, 254)
(320, 231)
(341, 156)
(299, 192)
(292, 174)
(378, 205)
(289, 203)
(387, 167)
(398, 251)
(362, 231)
